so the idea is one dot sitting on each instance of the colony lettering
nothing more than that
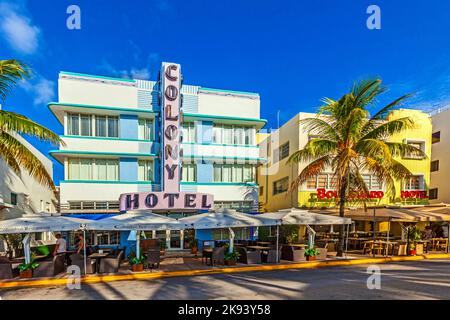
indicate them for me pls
(171, 80)
(165, 200)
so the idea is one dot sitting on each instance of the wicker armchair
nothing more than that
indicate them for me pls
(290, 253)
(153, 258)
(272, 256)
(218, 256)
(78, 260)
(110, 265)
(249, 257)
(6, 270)
(51, 268)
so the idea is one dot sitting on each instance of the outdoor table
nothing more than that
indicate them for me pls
(258, 247)
(98, 257)
(207, 253)
(262, 243)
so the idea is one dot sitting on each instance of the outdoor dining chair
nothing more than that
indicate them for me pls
(153, 258)
(78, 260)
(6, 270)
(110, 265)
(218, 256)
(249, 257)
(272, 256)
(51, 268)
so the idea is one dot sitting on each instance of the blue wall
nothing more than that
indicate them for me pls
(128, 169)
(204, 131)
(128, 126)
(203, 235)
(204, 171)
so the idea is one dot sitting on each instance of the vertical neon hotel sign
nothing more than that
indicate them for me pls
(170, 198)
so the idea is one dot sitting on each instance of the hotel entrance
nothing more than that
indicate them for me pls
(174, 239)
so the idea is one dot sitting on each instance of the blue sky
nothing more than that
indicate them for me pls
(293, 53)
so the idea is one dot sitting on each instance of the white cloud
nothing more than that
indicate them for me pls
(43, 90)
(17, 29)
(132, 73)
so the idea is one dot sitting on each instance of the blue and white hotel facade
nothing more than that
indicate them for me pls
(112, 135)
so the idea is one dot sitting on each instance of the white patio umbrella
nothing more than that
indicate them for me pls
(31, 223)
(225, 218)
(296, 216)
(136, 222)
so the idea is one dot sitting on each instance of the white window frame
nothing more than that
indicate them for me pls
(94, 169)
(407, 184)
(147, 164)
(151, 134)
(415, 141)
(219, 132)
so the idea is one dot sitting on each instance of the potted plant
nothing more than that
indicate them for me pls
(311, 254)
(162, 247)
(414, 236)
(412, 249)
(26, 269)
(136, 263)
(231, 258)
(194, 246)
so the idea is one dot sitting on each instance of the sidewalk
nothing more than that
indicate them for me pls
(191, 266)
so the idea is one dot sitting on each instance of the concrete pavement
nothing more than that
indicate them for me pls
(427, 279)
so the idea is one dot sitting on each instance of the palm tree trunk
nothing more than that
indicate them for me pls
(342, 198)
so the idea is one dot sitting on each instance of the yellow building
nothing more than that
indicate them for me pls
(275, 176)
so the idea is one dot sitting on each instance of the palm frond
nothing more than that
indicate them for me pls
(390, 128)
(25, 159)
(11, 71)
(314, 149)
(398, 149)
(14, 122)
(311, 170)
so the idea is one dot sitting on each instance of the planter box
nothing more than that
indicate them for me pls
(310, 258)
(27, 274)
(230, 262)
(194, 250)
(137, 267)
(412, 252)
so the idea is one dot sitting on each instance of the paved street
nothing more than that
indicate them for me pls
(405, 280)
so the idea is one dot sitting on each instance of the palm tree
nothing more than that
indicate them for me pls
(12, 151)
(351, 142)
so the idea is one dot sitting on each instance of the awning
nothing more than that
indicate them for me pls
(225, 218)
(296, 216)
(428, 213)
(40, 223)
(136, 221)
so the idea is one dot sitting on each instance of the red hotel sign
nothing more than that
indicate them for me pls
(331, 194)
(415, 194)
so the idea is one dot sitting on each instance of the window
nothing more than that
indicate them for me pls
(145, 131)
(238, 173)
(94, 169)
(281, 152)
(188, 129)
(188, 171)
(434, 165)
(281, 186)
(74, 124)
(85, 125)
(436, 137)
(417, 144)
(14, 199)
(232, 134)
(414, 183)
(433, 194)
(107, 238)
(372, 182)
(145, 170)
(81, 125)
(106, 126)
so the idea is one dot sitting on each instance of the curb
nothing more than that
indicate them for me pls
(185, 273)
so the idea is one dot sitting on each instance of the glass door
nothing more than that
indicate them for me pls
(175, 239)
